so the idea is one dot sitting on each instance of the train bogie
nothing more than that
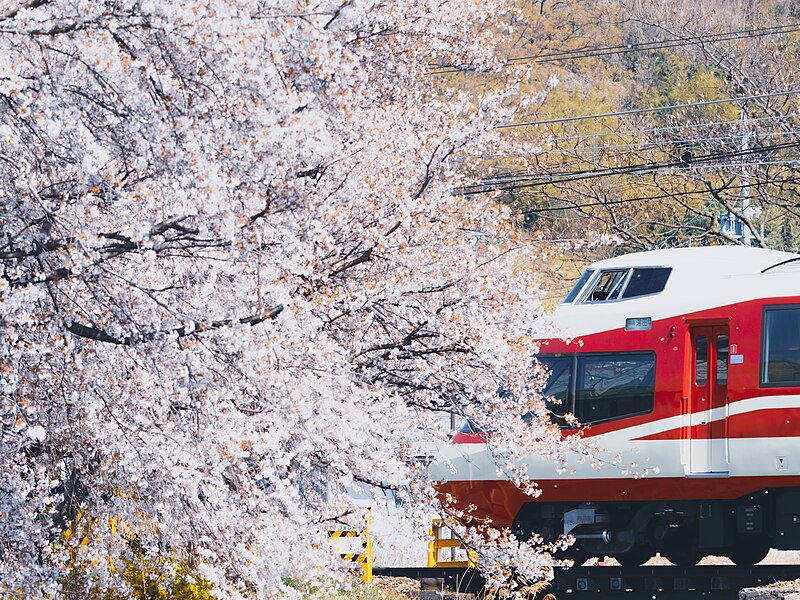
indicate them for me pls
(683, 531)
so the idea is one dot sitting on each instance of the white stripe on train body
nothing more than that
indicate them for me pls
(747, 456)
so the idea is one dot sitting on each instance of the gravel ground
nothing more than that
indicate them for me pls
(775, 557)
(782, 557)
(398, 585)
(403, 587)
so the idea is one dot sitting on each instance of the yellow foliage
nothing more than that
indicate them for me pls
(149, 583)
(147, 580)
(156, 578)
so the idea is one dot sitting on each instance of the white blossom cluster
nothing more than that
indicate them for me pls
(235, 277)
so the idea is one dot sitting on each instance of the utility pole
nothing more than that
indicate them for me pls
(729, 222)
(747, 235)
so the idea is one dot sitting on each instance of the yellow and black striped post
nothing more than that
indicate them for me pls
(364, 556)
(437, 543)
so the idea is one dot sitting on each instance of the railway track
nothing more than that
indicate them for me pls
(710, 582)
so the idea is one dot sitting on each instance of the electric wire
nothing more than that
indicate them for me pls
(524, 181)
(737, 166)
(659, 44)
(660, 128)
(665, 196)
(623, 169)
(593, 153)
(791, 165)
(639, 111)
(576, 151)
(538, 149)
(581, 53)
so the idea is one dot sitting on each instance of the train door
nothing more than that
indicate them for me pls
(708, 443)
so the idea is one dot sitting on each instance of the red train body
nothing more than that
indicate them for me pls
(687, 363)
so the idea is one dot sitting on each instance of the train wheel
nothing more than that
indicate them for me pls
(749, 550)
(685, 556)
(579, 555)
(636, 555)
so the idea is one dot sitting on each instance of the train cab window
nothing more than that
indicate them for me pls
(612, 386)
(576, 289)
(608, 286)
(646, 281)
(780, 355)
(621, 284)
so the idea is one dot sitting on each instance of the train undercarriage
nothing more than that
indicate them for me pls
(683, 531)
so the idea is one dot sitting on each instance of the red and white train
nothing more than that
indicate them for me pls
(687, 360)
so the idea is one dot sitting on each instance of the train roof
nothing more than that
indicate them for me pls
(697, 279)
(728, 260)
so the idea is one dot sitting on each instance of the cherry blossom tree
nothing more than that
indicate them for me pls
(236, 279)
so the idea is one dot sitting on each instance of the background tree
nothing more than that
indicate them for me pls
(659, 178)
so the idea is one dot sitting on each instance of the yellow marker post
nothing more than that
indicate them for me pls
(437, 543)
(364, 557)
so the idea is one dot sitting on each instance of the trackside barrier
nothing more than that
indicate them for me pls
(437, 543)
(363, 557)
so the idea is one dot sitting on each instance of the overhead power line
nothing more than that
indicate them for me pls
(545, 178)
(640, 111)
(792, 162)
(586, 153)
(659, 44)
(510, 184)
(591, 173)
(592, 137)
(665, 196)
(580, 53)
(734, 123)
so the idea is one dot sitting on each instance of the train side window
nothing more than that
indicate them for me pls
(608, 286)
(556, 389)
(780, 353)
(722, 359)
(646, 281)
(701, 360)
(573, 293)
(612, 386)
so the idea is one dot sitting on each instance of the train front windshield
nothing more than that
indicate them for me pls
(573, 293)
(618, 284)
